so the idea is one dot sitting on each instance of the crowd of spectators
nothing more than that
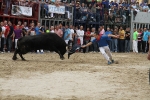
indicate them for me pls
(92, 10)
(75, 35)
(111, 12)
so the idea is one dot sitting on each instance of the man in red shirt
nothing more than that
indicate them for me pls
(20, 26)
(7, 29)
(87, 38)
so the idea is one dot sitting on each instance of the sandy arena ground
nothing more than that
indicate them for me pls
(82, 77)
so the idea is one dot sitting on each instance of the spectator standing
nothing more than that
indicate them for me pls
(17, 34)
(87, 38)
(124, 15)
(2, 37)
(83, 11)
(127, 40)
(25, 26)
(52, 29)
(46, 10)
(38, 31)
(139, 40)
(10, 37)
(135, 41)
(102, 31)
(7, 8)
(93, 14)
(19, 23)
(115, 41)
(58, 31)
(24, 31)
(144, 40)
(93, 46)
(31, 30)
(7, 30)
(110, 40)
(67, 34)
(80, 34)
(0, 34)
(71, 41)
(148, 42)
(115, 4)
(121, 39)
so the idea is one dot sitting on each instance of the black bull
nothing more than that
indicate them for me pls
(45, 41)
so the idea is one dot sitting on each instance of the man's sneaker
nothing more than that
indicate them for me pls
(37, 52)
(109, 62)
(41, 52)
(112, 61)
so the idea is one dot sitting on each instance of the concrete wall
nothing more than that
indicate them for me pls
(142, 17)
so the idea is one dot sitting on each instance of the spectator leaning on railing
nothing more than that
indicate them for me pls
(7, 8)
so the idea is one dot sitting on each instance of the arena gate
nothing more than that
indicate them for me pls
(139, 20)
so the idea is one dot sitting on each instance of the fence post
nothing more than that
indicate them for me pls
(131, 31)
(39, 12)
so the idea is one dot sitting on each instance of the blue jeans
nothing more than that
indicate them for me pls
(110, 45)
(127, 45)
(114, 45)
(121, 45)
(9, 40)
(46, 9)
(87, 48)
(7, 2)
(93, 47)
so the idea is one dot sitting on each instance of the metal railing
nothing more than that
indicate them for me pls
(56, 19)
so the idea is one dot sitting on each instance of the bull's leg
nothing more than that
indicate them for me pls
(21, 56)
(15, 54)
(61, 56)
(57, 51)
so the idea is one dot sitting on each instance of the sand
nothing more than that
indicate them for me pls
(82, 77)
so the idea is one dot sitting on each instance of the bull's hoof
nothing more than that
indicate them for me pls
(23, 59)
(68, 56)
(62, 58)
(14, 58)
(70, 53)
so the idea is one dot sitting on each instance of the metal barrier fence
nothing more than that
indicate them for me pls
(140, 20)
(58, 18)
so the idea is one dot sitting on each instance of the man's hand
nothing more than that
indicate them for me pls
(83, 46)
(114, 36)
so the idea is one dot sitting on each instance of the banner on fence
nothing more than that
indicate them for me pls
(21, 10)
(56, 9)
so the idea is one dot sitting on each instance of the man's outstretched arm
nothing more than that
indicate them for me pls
(86, 45)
